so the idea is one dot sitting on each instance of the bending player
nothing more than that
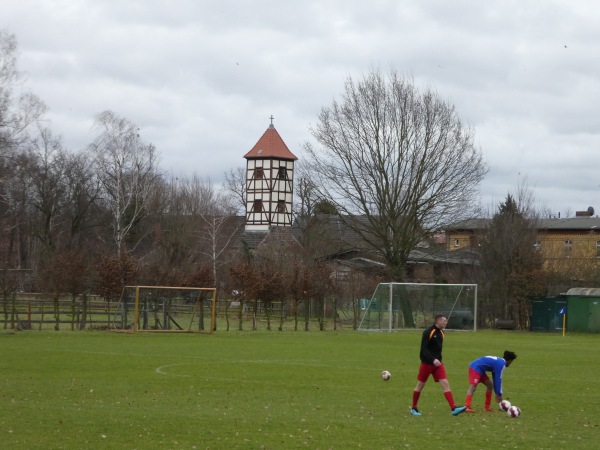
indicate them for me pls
(477, 374)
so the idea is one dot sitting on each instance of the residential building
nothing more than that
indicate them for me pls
(569, 245)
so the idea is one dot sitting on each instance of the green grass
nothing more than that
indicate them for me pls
(274, 390)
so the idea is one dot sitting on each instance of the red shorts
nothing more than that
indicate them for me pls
(438, 372)
(476, 378)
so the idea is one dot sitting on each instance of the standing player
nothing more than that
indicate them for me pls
(477, 374)
(431, 364)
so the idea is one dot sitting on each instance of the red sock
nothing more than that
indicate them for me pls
(468, 401)
(450, 399)
(488, 399)
(416, 395)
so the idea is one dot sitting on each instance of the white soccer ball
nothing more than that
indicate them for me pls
(514, 411)
(504, 405)
(385, 375)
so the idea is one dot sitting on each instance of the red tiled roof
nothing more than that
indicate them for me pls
(270, 145)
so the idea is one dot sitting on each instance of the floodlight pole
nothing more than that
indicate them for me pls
(475, 311)
(136, 309)
(390, 307)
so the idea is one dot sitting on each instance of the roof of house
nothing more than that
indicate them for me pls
(275, 234)
(252, 239)
(575, 223)
(270, 145)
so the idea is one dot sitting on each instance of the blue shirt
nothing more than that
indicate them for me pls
(493, 364)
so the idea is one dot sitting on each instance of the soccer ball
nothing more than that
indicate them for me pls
(385, 375)
(504, 405)
(514, 411)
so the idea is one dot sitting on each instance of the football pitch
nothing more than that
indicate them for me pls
(280, 390)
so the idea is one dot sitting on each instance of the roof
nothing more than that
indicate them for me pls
(584, 292)
(253, 239)
(437, 256)
(275, 234)
(270, 145)
(470, 224)
(576, 223)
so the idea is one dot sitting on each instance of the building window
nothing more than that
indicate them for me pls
(597, 249)
(568, 247)
(456, 242)
(281, 206)
(258, 206)
(259, 173)
(282, 174)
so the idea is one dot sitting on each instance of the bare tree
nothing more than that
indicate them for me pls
(218, 225)
(126, 167)
(173, 243)
(307, 196)
(45, 171)
(396, 164)
(82, 198)
(17, 112)
(235, 183)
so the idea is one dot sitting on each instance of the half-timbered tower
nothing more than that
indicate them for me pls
(269, 182)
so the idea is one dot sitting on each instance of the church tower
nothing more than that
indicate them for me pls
(269, 182)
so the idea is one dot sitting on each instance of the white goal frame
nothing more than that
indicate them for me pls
(386, 309)
(191, 309)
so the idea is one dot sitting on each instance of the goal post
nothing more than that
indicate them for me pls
(397, 306)
(166, 309)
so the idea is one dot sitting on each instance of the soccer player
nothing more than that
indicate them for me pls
(431, 364)
(477, 374)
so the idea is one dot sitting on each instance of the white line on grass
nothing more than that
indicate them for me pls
(162, 372)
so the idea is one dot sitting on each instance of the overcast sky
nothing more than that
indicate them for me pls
(201, 77)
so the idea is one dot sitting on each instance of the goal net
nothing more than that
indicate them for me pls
(165, 309)
(395, 306)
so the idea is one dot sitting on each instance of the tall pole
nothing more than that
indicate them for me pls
(390, 310)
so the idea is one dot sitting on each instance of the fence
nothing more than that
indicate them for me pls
(34, 311)
(38, 312)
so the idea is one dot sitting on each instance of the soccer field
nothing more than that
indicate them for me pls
(279, 390)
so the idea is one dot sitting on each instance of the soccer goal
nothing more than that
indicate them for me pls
(396, 306)
(166, 309)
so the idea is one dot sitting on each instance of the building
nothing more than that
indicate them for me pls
(269, 183)
(569, 245)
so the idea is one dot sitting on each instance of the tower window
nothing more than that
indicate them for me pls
(258, 206)
(282, 173)
(281, 206)
(259, 173)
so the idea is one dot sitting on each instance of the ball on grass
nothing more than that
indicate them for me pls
(504, 405)
(385, 375)
(514, 411)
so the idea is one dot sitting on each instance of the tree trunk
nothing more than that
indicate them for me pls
(56, 313)
(84, 312)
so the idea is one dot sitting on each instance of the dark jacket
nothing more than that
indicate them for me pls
(431, 344)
